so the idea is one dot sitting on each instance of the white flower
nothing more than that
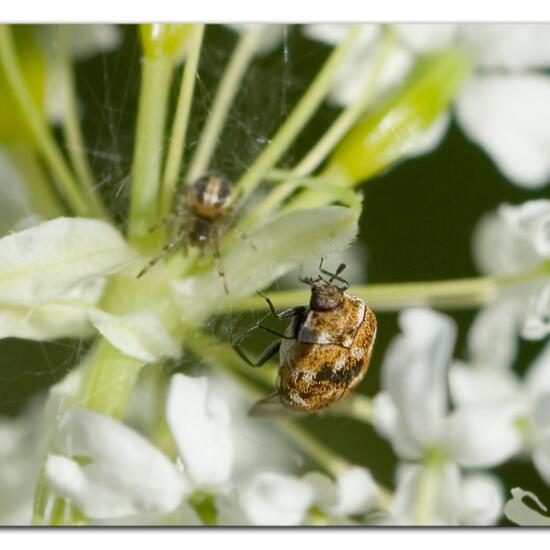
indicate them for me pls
(412, 409)
(517, 240)
(482, 384)
(461, 499)
(504, 107)
(111, 472)
(273, 498)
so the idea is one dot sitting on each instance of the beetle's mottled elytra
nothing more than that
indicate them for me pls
(203, 214)
(326, 349)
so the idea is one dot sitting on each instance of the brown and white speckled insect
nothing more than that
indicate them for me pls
(324, 352)
(202, 216)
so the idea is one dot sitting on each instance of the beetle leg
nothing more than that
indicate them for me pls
(279, 334)
(265, 356)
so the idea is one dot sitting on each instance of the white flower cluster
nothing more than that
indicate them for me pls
(448, 421)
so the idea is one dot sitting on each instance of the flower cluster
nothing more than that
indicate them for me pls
(152, 427)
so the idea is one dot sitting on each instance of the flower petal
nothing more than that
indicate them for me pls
(389, 424)
(483, 435)
(326, 494)
(499, 249)
(201, 426)
(127, 476)
(536, 325)
(65, 318)
(493, 336)
(521, 514)
(356, 492)
(481, 499)
(541, 459)
(48, 261)
(508, 116)
(470, 385)
(277, 499)
(538, 375)
(139, 334)
(272, 250)
(415, 368)
(509, 46)
(444, 508)
(426, 38)
(532, 221)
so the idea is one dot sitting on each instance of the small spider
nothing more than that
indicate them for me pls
(325, 350)
(202, 216)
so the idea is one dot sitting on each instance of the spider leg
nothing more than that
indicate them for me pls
(163, 253)
(217, 257)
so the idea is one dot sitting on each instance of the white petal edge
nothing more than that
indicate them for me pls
(48, 261)
(356, 492)
(493, 336)
(127, 475)
(532, 221)
(483, 435)
(426, 38)
(277, 499)
(444, 511)
(508, 116)
(519, 513)
(507, 46)
(477, 385)
(500, 249)
(414, 371)
(481, 499)
(140, 334)
(65, 318)
(201, 426)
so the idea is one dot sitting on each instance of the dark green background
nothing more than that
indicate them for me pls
(416, 224)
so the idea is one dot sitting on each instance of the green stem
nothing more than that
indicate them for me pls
(37, 125)
(73, 133)
(144, 206)
(225, 94)
(39, 190)
(457, 293)
(350, 115)
(179, 129)
(299, 116)
(428, 486)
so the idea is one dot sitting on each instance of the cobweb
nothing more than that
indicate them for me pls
(108, 92)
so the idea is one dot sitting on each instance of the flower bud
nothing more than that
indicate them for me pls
(391, 130)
